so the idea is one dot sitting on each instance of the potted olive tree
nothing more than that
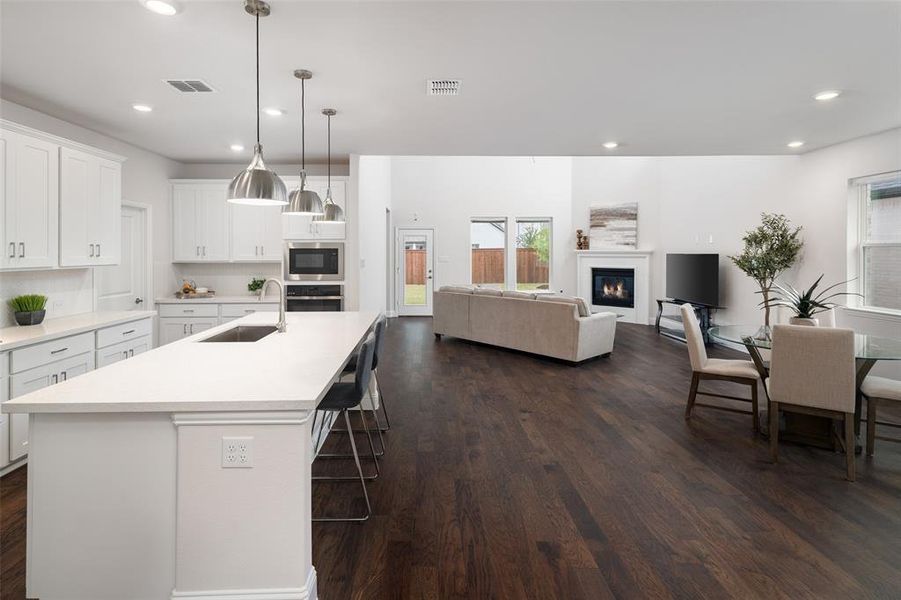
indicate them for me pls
(29, 308)
(804, 304)
(769, 250)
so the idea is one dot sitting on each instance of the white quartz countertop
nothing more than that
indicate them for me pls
(51, 329)
(271, 298)
(282, 371)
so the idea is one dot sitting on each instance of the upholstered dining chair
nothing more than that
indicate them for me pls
(813, 372)
(702, 368)
(878, 390)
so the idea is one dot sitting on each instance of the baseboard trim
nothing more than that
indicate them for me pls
(13, 466)
(307, 592)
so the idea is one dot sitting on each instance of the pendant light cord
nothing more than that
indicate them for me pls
(258, 77)
(329, 184)
(303, 124)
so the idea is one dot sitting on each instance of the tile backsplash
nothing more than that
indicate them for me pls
(226, 279)
(68, 291)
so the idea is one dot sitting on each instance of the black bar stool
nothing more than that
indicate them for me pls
(340, 398)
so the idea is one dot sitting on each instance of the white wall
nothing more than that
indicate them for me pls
(145, 179)
(373, 200)
(446, 192)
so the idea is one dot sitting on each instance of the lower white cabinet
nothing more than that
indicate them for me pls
(173, 329)
(116, 352)
(34, 379)
(4, 419)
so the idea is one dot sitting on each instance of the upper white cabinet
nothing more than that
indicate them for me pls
(29, 202)
(255, 233)
(297, 227)
(200, 227)
(90, 208)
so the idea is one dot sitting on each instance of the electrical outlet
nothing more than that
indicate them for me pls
(237, 452)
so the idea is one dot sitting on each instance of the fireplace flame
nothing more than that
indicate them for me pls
(615, 290)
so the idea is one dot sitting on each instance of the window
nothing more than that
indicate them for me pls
(533, 254)
(488, 238)
(880, 241)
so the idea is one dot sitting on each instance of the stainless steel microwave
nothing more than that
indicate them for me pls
(314, 261)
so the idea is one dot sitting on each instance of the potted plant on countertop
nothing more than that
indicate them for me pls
(256, 285)
(769, 250)
(29, 308)
(803, 303)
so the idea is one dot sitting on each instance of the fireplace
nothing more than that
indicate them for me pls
(613, 287)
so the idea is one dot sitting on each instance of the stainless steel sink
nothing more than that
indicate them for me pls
(243, 333)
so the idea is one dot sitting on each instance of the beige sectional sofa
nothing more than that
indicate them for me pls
(547, 324)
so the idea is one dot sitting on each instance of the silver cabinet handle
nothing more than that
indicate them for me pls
(188, 310)
(256, 250)
(12, 249)
(197, 251)
(21, 249)
(129, 332)
(131, 352)
(204, 250)
(60, 350)
(91, 254)
(262, 250)
(98, 250)
(65, 375)
(192, 327)
(54, 378)
(185, 329)
(125, 352)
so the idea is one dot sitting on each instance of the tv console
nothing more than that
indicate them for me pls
(703, 312)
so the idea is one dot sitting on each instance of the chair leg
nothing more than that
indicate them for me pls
(378, 387)
(871, 424)
(693, 392)
(754, 414)
(774, 431)
(353, 446)
(850, 444)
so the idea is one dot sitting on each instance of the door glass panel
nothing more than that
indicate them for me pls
(415, 259)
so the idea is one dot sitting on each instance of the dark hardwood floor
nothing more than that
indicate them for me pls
(512, 476)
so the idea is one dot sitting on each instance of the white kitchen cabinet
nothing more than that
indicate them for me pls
(255, 233)
(90, 208)
(29, 203)
(173, 329)
(230, 312)
(4, 418)
(34, 379)
(299, 227)
(122, 351)
(200, 227)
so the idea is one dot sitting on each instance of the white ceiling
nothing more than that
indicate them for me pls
(539, 78)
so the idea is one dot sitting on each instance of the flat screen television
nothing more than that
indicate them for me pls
(693, 278)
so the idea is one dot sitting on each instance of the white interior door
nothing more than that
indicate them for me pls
(124, 286)
(415, 271)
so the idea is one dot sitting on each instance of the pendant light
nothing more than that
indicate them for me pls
(330, 210)
(256, 185)
(302, 201)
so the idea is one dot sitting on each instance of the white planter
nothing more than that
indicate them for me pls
(803, 321)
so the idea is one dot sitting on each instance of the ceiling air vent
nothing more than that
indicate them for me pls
(190, 85)
(444, 87)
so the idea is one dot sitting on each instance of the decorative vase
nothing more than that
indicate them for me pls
(30, 318)
(804, 321)
(765, 333)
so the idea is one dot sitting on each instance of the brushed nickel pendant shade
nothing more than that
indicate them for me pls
(302, 201)
(256, 185)
(330, 211)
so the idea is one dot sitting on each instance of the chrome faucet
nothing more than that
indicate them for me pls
(282, 325)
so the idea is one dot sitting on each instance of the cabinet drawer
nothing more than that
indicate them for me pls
(4, 364)
(189, 310)
(121, 333)
(116, 352)
(46, 352)
(240, 310)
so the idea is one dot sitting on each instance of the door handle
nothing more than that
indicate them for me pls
(139, 300)
(12, 249)
(91, 254)
(21, 249)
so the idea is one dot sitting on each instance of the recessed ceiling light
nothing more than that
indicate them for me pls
(828, 95)
(237, 148)
(162, 7)
(795, 144)
(611, 145)
(274, 112)
(142, 107)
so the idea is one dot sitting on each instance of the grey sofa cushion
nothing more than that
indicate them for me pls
(457, 289)
(517, 294)
(480, 291)
(580, 304)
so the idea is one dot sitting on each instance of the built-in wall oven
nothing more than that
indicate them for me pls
(315, 298)
(314, 261)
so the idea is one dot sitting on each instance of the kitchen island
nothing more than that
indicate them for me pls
(185, 471)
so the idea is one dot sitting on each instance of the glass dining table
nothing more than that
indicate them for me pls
(868, 349)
